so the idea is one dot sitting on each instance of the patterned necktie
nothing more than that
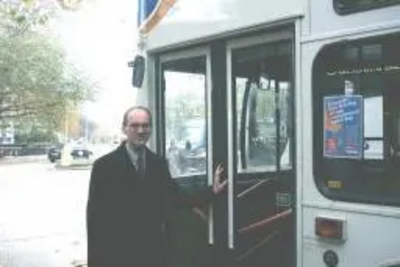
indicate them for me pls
(141, 164)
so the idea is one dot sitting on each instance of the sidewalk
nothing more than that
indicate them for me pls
(22, 159)
(87, 166)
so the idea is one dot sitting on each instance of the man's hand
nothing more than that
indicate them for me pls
(218, 186)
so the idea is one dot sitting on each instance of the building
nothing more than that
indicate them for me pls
(7, 134)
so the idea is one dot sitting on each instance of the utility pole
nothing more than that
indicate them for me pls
(86, 130)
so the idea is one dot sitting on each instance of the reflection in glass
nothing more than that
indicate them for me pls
(262, 88)
(185, 116)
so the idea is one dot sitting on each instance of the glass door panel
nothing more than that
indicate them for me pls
(185, 116)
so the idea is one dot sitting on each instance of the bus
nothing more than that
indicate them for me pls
(299, 100)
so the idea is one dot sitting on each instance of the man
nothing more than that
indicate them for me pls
(130, 196)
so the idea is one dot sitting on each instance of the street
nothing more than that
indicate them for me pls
(42, 215)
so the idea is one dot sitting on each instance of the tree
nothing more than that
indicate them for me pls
(21, 15)
(35, 135)
(37, 83)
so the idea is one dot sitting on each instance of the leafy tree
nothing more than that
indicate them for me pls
(21, 15)
(35, 135)
(37, 83)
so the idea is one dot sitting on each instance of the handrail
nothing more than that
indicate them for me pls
(200, 213)
(248, 190)
(264, 222)
(257, 246)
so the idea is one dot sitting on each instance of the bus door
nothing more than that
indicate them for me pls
(183, 118)
(261, 150)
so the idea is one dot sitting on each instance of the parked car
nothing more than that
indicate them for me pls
(54, 153)
(188, 153)
(81, 153)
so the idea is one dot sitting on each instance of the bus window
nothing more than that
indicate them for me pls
(185, 117)
(262, 83)
(373, 66)
(344, 7)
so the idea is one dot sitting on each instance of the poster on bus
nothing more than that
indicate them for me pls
(343, 126)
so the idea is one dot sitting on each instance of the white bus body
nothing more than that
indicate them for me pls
(369, 228)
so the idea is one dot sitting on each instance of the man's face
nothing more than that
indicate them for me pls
(138, 127)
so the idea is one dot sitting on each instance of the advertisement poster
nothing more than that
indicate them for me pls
(343, 126)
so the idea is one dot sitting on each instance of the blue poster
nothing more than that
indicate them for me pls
(343, 126)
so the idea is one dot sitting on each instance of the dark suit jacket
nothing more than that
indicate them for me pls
(126, 215)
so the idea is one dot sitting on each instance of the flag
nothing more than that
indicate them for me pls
(151, 12)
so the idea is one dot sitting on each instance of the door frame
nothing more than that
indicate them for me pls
(187, 54)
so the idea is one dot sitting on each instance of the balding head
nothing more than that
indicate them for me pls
(136, 125)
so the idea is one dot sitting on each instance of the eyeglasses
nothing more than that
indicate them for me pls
(136, 126)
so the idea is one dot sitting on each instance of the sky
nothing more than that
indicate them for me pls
(100, 39)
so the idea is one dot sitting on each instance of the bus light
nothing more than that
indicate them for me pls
(329, 228)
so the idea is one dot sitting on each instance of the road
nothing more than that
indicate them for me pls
(42, 215)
